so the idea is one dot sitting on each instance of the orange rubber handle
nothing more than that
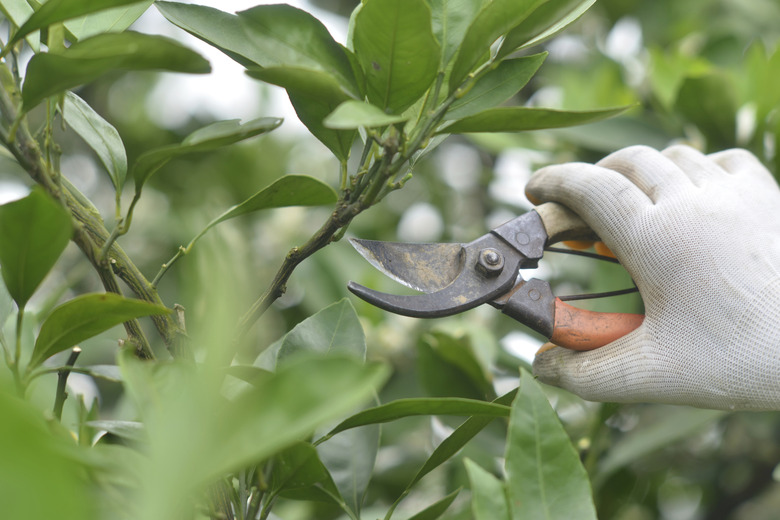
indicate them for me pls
(580, 329)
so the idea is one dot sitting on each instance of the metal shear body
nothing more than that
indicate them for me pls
(454, 278)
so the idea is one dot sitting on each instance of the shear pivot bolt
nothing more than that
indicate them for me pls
(490, 262)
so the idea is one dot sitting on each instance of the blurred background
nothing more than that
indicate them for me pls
(706, 73)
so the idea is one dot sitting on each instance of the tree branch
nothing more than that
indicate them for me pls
(90, 234)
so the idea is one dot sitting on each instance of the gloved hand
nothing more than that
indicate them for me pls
(700, 235)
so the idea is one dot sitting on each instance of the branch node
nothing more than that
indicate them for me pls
(179, 309)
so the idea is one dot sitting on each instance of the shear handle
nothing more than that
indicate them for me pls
(580, 329)
(561, 224)
(533, 303)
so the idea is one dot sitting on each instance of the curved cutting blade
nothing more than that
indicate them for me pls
(469, 289)
(423, 267)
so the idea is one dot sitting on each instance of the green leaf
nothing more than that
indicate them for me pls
(85, 61)
(334, 329)
(545, 478)
(18, 11)
(312, 112)
(210, 137)
(114, 464)
(412, 407)
(437, 509)
(225, 133)
(54, 11)
(282, 35)
(184, 412)
(33, 233)
(116, 19)
(497, 86)
(397, 51)
(288, 406)
(290, 190)
(303, 82)
(762, 73)
(488, 494)
(131, 430)
(269, 36)
(458, 439)
(519, 119)
(669, 71)
(247, 373)
(450, 20)
(217, 28)
(104, 372)
(350, 458)
(86, 316)
(548, 20)
(297, 472)
(6, 306)
(447, 368)
(494, 20)
(314, 95)
(34, 457)
(100, 135)
(709, 102)
(355, 114)
(777, 144)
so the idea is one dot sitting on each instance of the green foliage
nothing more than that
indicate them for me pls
(499, 85)
(493, 20)
(55, 11)
(298, 472)
(85, 61)
(545, 478)
(397, 52)
(115, 19)
(36, 458)
(335, 328)
(290, 190)
(84, 317)
(421, 406)
(33, 233)
(99, 135)
(353, 114)
(489, 500)
(437, 509)
(286, 47)
(709, 102)
(549, 19)
(517, 119)
(210, 137)
(303, 405)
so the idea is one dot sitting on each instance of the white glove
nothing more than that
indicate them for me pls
(700, 235)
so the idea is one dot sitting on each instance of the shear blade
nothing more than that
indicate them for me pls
(424, 267)
(446, 296)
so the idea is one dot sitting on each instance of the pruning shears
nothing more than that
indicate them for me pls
(453, 278)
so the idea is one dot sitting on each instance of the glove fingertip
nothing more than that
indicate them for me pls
(544, 348)
(549, 363)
